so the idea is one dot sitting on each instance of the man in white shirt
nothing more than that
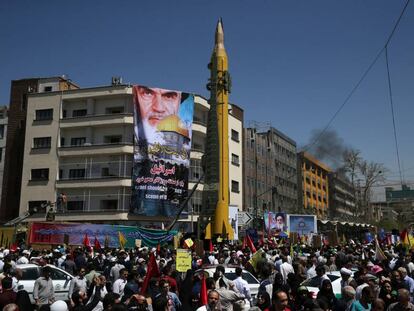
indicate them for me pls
(119, 285)
(242, 285)
(286, 268)
(24, 259)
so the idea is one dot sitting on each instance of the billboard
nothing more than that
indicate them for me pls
(275, 223)
(302, 224)
(162, 142)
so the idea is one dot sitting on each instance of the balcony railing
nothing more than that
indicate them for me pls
(94, 116)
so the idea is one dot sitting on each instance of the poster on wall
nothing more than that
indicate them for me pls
(234, 221)
(276, 224)
(302, 224)
(162, 142)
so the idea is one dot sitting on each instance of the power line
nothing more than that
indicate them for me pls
(307, 147)
(393, 114)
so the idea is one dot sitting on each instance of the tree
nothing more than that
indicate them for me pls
(363, 176)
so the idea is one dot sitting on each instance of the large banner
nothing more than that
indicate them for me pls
(302, 224)
(162, 142)
(107, 235)
(275, 223)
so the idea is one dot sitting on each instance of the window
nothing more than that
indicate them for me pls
(116, 139)
(235, 186)
(75, 206)
(114, 110)
(235, 159)
(40, 206)
(76, 173)
(30, 274)
(79, 113)
(77, 141)
(109, 204)
(58, 275)
(235, 135)
(44, 114)
(40, 174)
(47, 89)
(42, 142)
(1, 131)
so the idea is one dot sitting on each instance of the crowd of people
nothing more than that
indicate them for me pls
(125, 279)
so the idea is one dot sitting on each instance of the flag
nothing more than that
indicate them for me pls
(86, 241)
(210, 246)
(152, 271)
(379, 254)
(404, 238)
(122, 240)
(96, 244)
(292, 254)
(255, 258)
(203, 291)
(106, 241)
(250, 244)
(244, 245)
(188, 242)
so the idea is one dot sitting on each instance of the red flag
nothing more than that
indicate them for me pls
(152, 271)
(244, 242)
(96, 243)
(250, 244)
(86, 241)
(203, 292)
(211, 247)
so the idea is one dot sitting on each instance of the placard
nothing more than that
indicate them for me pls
(183, 260)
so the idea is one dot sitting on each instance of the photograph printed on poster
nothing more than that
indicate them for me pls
(302, 224)
(162, 144)
(275, 223)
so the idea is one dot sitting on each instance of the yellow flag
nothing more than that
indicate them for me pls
(122, 240)
(255, 258)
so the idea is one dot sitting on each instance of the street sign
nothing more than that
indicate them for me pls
(244, 218)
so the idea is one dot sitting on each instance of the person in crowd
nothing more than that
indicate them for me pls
(263, 301)
(280, 301)
(241, 284)
(364, 304)
(119, 285)
(403, 302)
(78, 283)
(174, 302)
(326, 294)
(43, 290)
(346, 300)
(8, 295)
(213, 302)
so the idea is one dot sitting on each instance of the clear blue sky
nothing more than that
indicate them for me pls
(292, 62)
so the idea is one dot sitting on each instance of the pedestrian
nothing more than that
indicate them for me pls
(78, 283)
(43, 290)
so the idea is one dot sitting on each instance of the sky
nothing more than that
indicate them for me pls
(293, 63)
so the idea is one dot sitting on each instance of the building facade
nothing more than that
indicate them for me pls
(402, 202)
(15, 139)
(270, 172)
(3, 135)
(342, 202)
(80, 143)
(314, 181)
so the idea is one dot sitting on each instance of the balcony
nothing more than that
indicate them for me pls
(103, 182)
(93, 149)
(198, 127)
(102, 120)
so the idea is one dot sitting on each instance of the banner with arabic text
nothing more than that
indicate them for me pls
(107, 235)
(162, 143)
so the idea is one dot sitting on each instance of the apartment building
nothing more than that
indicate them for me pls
(3, 135)
(80, 143)
(342, 201)
(15, 139)
(270, 171)
(314, 182)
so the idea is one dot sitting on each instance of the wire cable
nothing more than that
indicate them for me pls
(307, 147)
(393, 115)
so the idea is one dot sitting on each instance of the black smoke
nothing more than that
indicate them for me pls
(328, 147)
